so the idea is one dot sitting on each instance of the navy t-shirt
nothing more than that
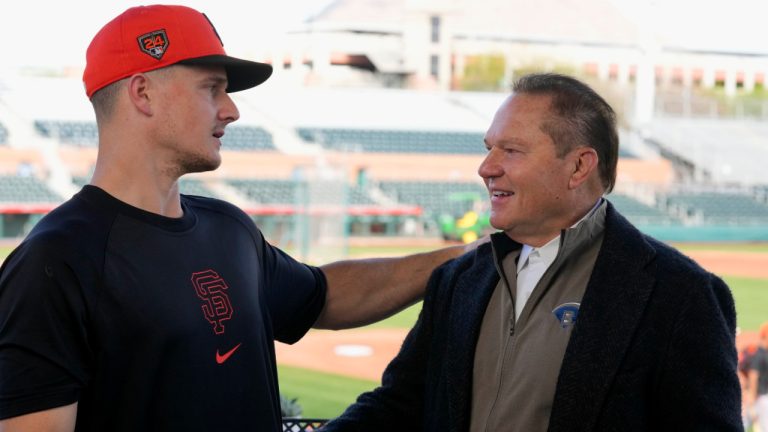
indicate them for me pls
(149, 322)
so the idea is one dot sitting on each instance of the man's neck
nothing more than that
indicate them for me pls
(129, 170)
(155, 194)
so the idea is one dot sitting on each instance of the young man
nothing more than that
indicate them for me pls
(571, 319)
(132, 308)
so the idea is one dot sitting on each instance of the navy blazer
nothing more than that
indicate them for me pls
(653, 348)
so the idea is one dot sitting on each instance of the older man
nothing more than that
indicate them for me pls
(571, 319)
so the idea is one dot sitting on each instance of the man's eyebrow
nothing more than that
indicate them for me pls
(507, 141)
(216, 79)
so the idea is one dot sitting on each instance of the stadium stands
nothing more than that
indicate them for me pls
(79, 133)
(392, 153)
(640, 213)
(402, 141)
(395, 141)
(722, 151)
(85, 134)
(437, 198)
(247, 138)
(3, 135)
(719, 207)
(289, 192)
(80, 181)
(16, 189)
(189, 186)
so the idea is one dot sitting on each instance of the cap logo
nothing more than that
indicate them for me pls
(154, 43)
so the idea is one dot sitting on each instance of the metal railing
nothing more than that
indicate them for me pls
(291, 424)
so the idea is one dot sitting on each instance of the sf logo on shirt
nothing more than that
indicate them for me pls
(211, 289)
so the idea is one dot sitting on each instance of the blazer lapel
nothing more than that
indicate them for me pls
(612, 306)
(467, 308)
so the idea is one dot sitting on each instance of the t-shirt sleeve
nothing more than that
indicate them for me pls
(43, 340)
(295, 294)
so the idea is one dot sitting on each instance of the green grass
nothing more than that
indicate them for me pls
(4, 252)
(404, 319)
(321, 395)
(387, 250)
(723, 247)
(751, 298)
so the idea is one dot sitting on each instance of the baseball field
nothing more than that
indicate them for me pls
(326, 370)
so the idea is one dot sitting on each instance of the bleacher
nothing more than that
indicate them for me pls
(437, 198)
(640, 213)
(17, 189)
(720, 207)
(3, 134)
(78, 133)
(729, 151)
(289, 192)
(394, 141)
(85, 134)
(402, 141)
(406, 144)
(190, 186)
(247, 138)
(627, 154)
(187, 186)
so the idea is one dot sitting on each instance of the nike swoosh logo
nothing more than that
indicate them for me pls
(221, 358)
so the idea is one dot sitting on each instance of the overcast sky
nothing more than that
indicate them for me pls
(55, 33)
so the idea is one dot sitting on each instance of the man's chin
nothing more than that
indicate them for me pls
(499, 224)
(201, 164)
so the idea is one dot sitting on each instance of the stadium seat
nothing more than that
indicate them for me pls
(247, 138)
(17, 189)
(394, 141)
(291, 192)
(720, 207)
(437, 198)
(640, 213)
(3, 134)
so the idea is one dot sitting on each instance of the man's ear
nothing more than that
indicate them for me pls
(585, 161)
(138, 92)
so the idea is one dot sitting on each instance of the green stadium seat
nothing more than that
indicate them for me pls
(15, 189)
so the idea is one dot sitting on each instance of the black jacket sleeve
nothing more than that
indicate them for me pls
(698, 387)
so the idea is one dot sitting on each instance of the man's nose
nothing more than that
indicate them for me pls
(490, 166)
(229, 111)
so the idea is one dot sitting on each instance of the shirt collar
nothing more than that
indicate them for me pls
(548, 252)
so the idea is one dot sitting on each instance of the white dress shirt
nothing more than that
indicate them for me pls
(532, 264)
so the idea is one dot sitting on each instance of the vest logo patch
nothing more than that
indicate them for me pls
(566, 314)
(211, 289)
(154, 43)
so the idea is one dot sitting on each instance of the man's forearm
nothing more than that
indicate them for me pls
(61, 419)
(364, 291)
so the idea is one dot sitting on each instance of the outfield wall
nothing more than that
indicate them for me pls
(707, 233)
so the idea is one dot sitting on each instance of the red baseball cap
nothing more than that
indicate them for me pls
(146, 38)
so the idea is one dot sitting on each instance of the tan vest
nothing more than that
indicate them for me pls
(517, 363)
